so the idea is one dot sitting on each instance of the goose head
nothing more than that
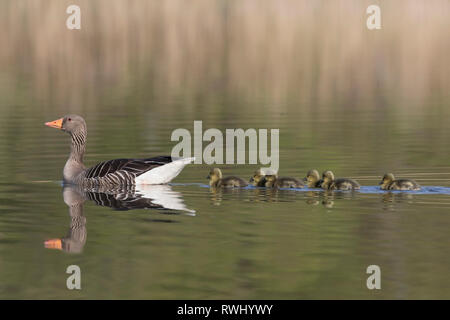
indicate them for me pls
(70, 123)
(214, 176)
(388, 178)
(312, 177)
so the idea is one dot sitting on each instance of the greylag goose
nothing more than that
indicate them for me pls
(330, 183)
(258, 178)
(273, 181)
(389, 183)
(124, 172)
(312, 179)
(216, 180)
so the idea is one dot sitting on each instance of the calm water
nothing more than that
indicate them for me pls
(239, 244)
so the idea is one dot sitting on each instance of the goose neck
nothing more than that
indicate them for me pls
(77, 146)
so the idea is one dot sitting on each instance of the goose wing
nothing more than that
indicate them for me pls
(134, 166)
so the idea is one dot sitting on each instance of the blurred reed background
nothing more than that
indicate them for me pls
(304, 54)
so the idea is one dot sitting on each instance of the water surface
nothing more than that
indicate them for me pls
(250, 243)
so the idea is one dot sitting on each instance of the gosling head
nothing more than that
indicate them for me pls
(257, 177)
(388, 178)
(214, 176)
(312, 177)
(270, 180)
(71, 123)
(328, 176)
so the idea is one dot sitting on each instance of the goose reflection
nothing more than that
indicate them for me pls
(157, 197)
(253, 194)
(390, 200)
(257, 194)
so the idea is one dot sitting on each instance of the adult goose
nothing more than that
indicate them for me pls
(123, 172)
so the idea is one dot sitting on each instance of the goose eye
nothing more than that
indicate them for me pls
(69, 119)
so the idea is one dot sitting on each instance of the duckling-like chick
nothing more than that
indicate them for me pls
(312, 179)
(330, 183)
(216, 180)
(273, 181)
(258, 178)
(389, 183)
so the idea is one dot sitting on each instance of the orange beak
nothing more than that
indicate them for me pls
(53, 244)
(55, 124)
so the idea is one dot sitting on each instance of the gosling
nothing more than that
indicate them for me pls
(258, 178)
(216, 180)
(389, 183)
(312, 179)
(330, 183)
(273, 181)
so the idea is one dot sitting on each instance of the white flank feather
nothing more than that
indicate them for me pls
(165, 173)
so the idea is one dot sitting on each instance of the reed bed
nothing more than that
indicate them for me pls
(290, 52)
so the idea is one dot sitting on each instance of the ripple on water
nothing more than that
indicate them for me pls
(364, 189)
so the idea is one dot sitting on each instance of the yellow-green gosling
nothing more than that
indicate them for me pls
(216, 180)
(273, 181)
(258, 178)
(330, 183)
(312, 179)
(389, 183)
